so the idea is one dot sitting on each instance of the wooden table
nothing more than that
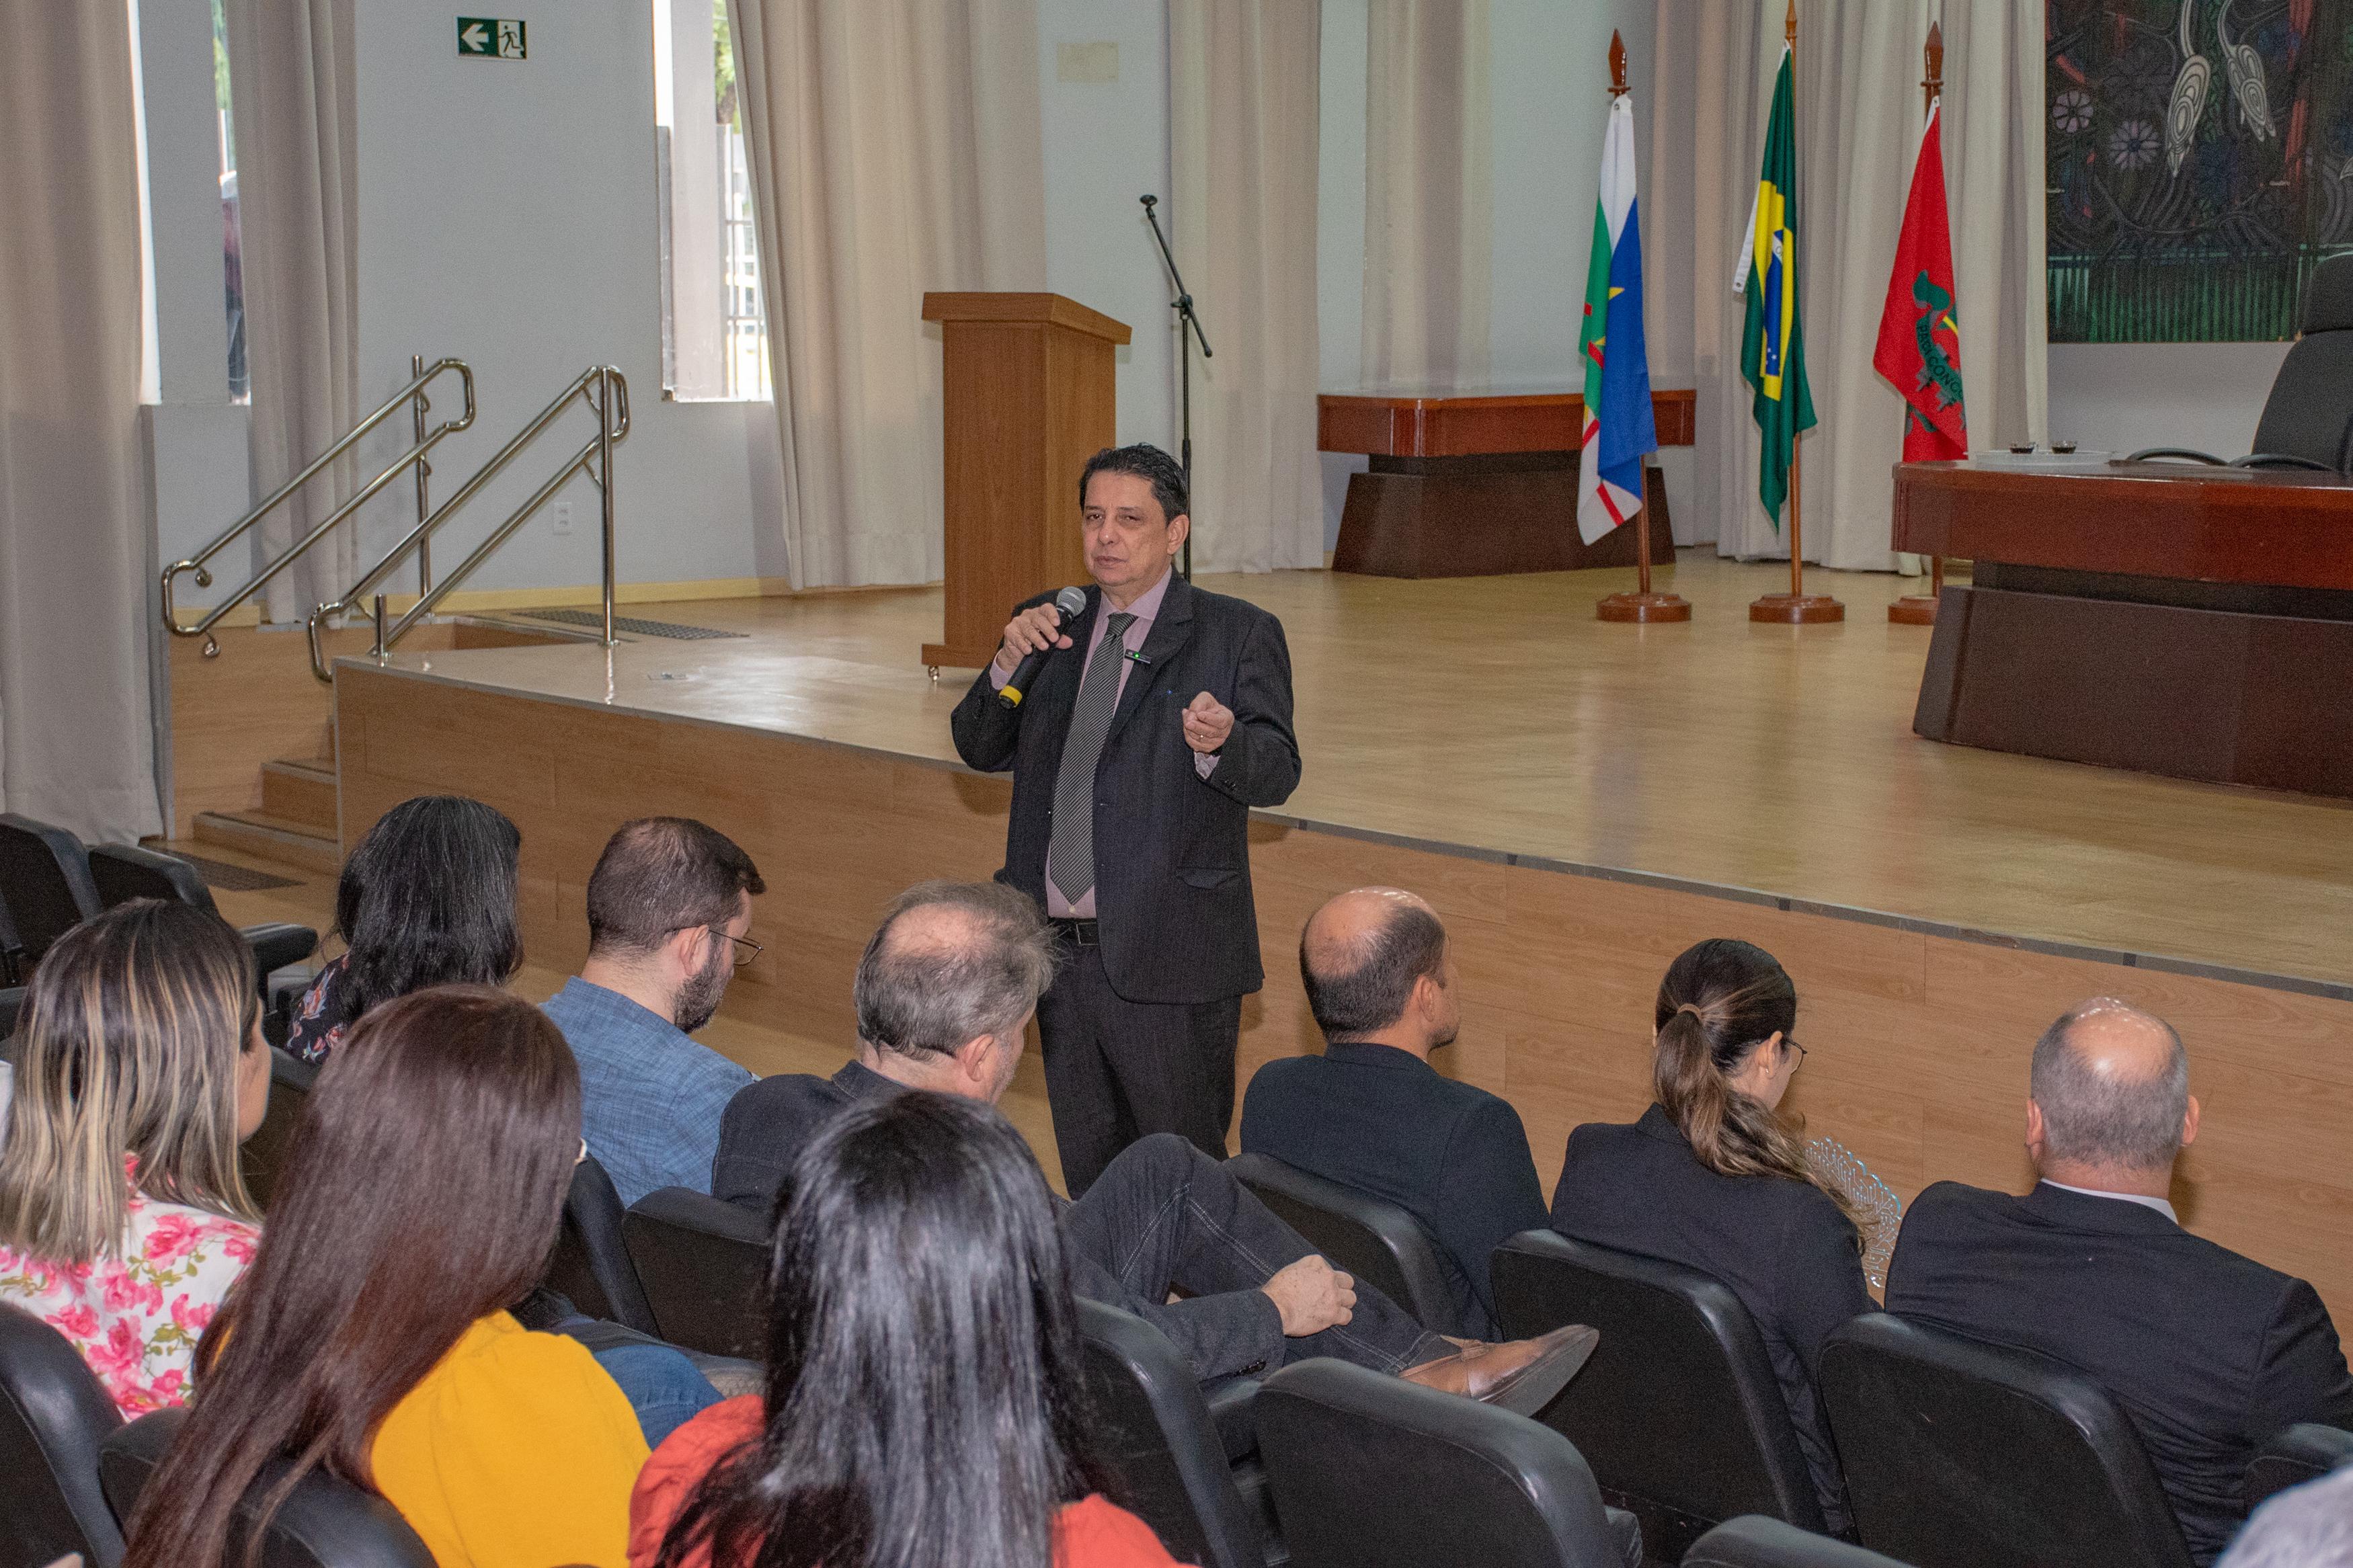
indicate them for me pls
(2196, 622)
(1479, 481)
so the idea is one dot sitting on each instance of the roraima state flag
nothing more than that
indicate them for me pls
(1919, 332)
(1619, 429)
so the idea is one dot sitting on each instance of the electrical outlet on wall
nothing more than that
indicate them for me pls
(560, 520)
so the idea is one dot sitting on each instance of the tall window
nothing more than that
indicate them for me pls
(232, 263)
(714, 328)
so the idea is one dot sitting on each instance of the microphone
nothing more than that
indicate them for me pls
(1070, 604)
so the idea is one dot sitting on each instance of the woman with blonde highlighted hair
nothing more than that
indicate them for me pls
(140, 1067)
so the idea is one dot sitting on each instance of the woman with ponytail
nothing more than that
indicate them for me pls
(1715, 1178)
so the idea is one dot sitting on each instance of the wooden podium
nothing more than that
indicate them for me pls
(1030, 398)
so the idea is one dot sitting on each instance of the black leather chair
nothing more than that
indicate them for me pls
(1370, 1237)
(591, 1263)
(324, 1523)
(11, 1002)
(1371, 1471)
(53, 1416)
(262, 1159)
(2305, 1452)
(1679, 1411)
(121, 872)
(703, 1265)
(1959, 1455)
(2305, 421)
(1753, 1540)
(1171, 1452)
(44, 881)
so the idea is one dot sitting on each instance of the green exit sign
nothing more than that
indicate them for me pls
(490, 38)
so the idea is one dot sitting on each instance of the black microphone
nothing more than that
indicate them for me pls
(1070, 604)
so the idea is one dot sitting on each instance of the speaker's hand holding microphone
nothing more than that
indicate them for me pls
(1032, 636)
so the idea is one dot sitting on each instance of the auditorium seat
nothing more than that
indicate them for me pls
(262, 1157)
(323, 1523)
(44, 881)
(1158, 1436)
(1958, 1454)
(2307, 420)
(1753, 1540)
(1678, 1413)
(53, 1416)
(1375, 1240)
(590, 1265)
(121, 872)
(11, 1002)
(2305, 1452)
(703, 1265)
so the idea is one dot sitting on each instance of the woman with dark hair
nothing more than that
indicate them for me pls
(1715, 1177)
(370, 1338)
(924, 1402)
(427, 897)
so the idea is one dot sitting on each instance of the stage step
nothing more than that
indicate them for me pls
(278, 837)
(300, 789)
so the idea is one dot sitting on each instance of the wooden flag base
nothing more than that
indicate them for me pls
(1645, 607)
(1797, 609)
(1912, 610)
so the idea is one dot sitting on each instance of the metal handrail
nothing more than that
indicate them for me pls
(414, 393)
(609, 401)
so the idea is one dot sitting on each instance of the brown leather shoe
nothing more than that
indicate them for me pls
(1520, 1375)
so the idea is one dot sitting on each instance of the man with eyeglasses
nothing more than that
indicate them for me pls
(669, 907)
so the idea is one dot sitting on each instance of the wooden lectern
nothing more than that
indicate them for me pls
(1030, 398)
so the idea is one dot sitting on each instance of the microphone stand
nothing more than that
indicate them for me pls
(1186, 317)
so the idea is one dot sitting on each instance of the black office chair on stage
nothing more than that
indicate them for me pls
(1753, 1540)
(323, 1523)
(590, 1265)
(1370, 1237)
(703, 1265)
(262, 1157)
(45, 883)
(1959, 1455)
(121, 872)
(2308, 421)
(53, 1416)
(1679, 1411)
(2305, 1452)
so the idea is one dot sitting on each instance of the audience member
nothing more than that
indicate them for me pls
(925, 1403)
(1373, 1114)
(370, 1339)
(2209, 1352)
(945, 991)
(427, 898)
(123, 1221)
(2310, 1526)
(1712, 1177)
(669, 905)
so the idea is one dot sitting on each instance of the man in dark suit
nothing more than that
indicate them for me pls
(1136, 762)
(2209, 1354)
(1373, 1114)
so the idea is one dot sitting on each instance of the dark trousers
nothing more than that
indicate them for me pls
(1118, 1070)
(1165, 1217)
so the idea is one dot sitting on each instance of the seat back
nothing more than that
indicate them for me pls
(1371, 1471)
(1375, 1240)
(11, 1002)
(1958, 1454)
(591, 1263)
(1678, 1409)
(262, 1157)
(323, 1523)
(1753, 1541)
(703, 1265)
(53, 1416)
(44, 881)
(121, 872)
(1152, 1429)
(2311, 397)
(2301, 1453)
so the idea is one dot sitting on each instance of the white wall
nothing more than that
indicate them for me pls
(2123, 397)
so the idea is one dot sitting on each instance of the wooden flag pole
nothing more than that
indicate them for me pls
(1796, 607)
(1640, 605)
(1920, 609)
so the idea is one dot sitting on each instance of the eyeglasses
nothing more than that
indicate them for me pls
(1788, 1044)
(746, 949)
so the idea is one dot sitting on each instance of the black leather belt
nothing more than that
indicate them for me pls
(1080, 933)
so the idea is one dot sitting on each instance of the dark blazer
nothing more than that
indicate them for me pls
(768, 1122)
(2209, 1352)
(1384, 1122)
(1172, 861)
(1785, 1249)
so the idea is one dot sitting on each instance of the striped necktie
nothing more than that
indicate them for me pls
(1070, 853)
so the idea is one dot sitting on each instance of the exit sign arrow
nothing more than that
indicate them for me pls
(475, 38)
(490, 38)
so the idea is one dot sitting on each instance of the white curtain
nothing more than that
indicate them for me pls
(1429, 193)
(1858, 111)
(76, 748)
(1242, 90)
(293, 84)
(895, 148)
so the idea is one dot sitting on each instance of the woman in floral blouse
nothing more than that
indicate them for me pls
(140, 1067)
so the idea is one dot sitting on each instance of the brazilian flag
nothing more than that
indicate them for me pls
(1773, 343)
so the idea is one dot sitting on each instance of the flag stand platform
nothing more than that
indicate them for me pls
(1645, 607)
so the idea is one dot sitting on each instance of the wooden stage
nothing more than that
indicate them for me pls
(1580, 801)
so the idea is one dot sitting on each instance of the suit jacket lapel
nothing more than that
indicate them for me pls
(1171, 630)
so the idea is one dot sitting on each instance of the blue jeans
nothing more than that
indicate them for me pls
(663, 1388)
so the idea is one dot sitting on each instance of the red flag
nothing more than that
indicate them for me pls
(1919, 335)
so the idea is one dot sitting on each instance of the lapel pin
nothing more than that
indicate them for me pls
(1135, 655)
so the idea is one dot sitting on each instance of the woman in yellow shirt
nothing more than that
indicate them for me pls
(370, 1340)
